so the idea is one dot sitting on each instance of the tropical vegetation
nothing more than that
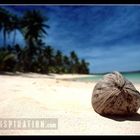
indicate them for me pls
(35, 56)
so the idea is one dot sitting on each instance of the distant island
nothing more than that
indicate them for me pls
(123, 72)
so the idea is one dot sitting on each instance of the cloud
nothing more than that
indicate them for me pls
(106, 36)
(115, 58)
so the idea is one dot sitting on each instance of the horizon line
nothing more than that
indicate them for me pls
(118, 70)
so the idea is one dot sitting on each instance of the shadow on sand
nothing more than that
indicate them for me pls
(9, 73)
(132, 117)
(26, 74)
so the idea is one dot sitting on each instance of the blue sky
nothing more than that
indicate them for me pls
(108, 37)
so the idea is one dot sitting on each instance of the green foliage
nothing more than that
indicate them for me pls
(35, 56)
(7, 61)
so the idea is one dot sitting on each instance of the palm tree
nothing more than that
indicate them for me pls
(66, 64)
(59, 61)
(4, 23)
(74, 57)
(33, 28)
(74, 62)
(84, 67)
(15, 25)
(7, 60)
(44, 58)
(58, 58)
(49, 53)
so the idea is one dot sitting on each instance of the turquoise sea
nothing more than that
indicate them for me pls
(133, 77)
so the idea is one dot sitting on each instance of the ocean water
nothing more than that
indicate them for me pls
(133, 77)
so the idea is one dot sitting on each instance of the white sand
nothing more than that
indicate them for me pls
(43, 96)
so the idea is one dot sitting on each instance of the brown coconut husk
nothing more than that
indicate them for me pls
(115, 95)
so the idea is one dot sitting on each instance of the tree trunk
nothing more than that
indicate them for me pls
(4, 38)
(14, 37)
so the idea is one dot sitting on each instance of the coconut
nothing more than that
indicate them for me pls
(115, 95)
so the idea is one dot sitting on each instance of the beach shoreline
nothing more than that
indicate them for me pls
(34, 95)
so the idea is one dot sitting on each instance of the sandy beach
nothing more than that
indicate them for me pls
(57, 96)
